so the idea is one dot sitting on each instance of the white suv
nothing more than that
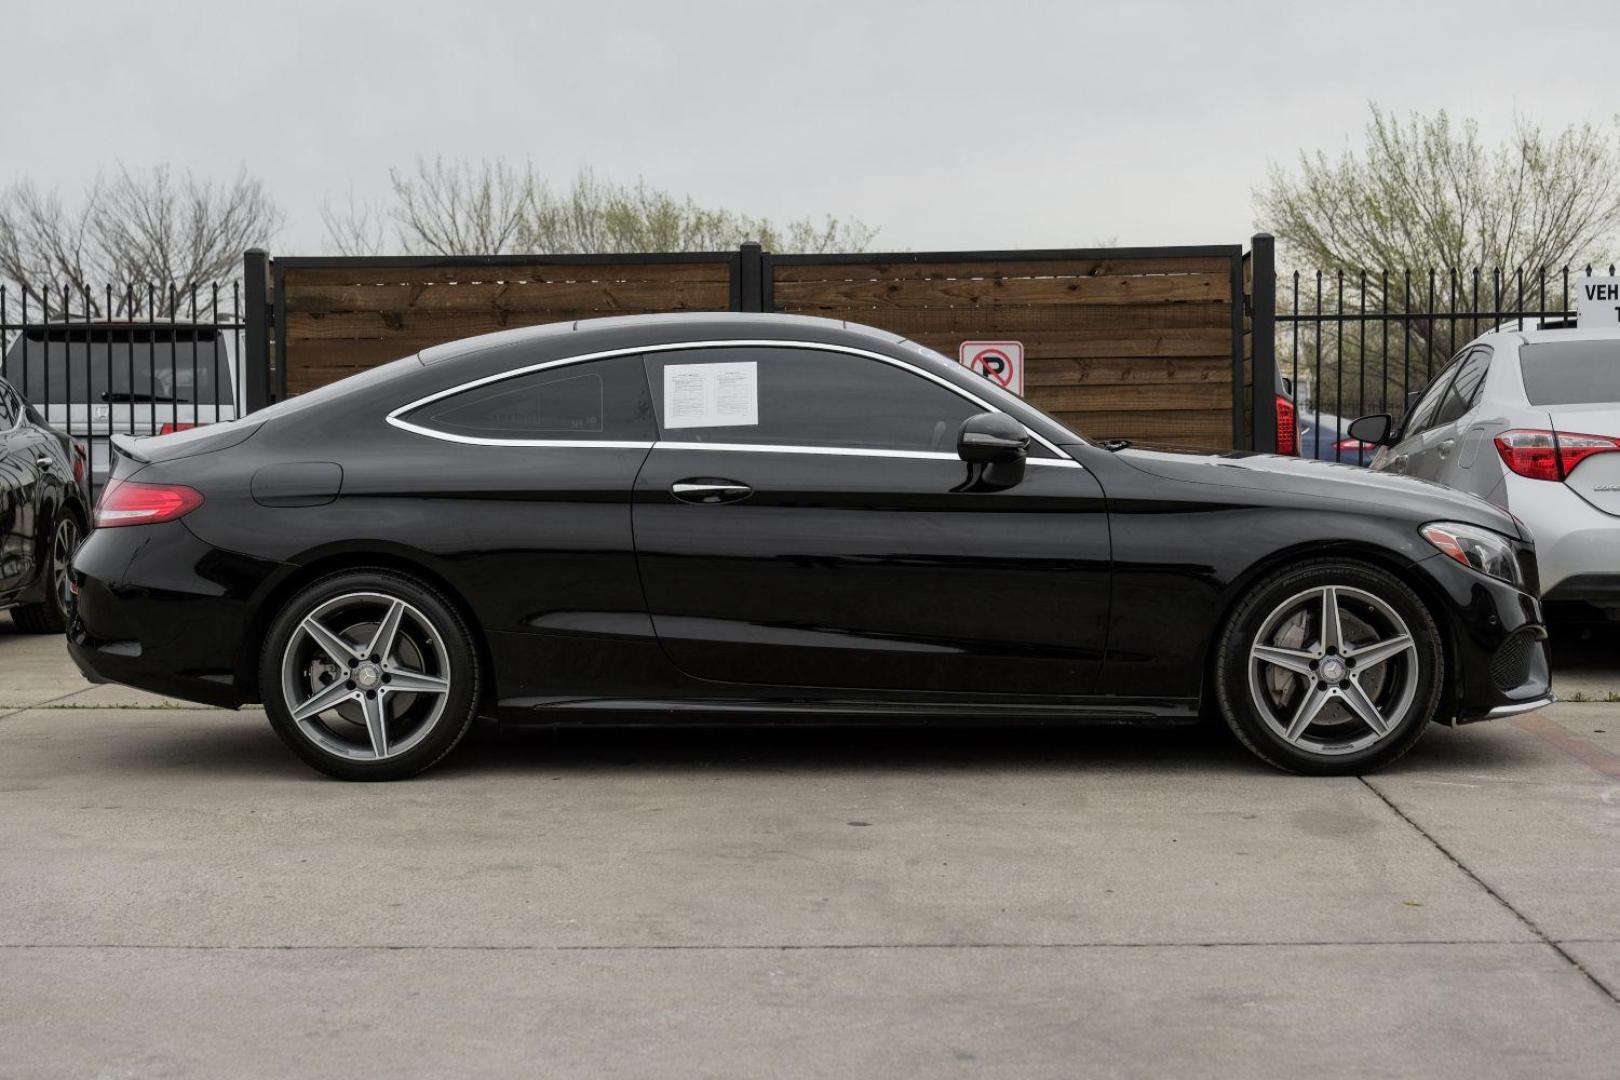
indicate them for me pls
(1531, 421)
(94, 380)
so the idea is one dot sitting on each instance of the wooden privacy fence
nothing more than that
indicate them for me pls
(1148, 344)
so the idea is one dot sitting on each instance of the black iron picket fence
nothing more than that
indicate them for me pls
(136, 359)
(1352, 343)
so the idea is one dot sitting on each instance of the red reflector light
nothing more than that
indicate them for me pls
(170, 429)
(1287, 431)
(1549, 455)
(125, 502)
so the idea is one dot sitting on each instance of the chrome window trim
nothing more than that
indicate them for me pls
(396, 416)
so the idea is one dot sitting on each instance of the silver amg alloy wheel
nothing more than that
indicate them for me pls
(63, 546)
(1333, 670)
(365, 676)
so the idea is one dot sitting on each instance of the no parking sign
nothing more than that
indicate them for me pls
(1002, 362)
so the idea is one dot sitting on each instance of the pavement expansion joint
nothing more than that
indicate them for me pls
(1529, 923)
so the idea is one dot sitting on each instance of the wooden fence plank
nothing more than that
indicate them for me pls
(616, 297)
(1027, 323)
(384, 274)
(1122, 371)
(1134, 397)
(1211, 429)
(1009, 292)
(893, 271)
(438, 325)
(1106, 343)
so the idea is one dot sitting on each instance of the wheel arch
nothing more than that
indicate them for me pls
(51, 509)
(322, 563)
(1391, 562)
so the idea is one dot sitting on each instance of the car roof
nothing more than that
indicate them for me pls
(616, 331)
(1594, 333)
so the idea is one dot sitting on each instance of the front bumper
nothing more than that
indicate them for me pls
(1497, 643)
(159, 610)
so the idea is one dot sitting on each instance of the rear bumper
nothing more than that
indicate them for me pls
(1585, 598)
(159, 610)
(1573, 538)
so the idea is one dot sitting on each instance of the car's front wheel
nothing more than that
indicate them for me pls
(1329, 668)
(369, 675)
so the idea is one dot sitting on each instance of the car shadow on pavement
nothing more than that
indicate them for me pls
(1205, 748)
(244, 745)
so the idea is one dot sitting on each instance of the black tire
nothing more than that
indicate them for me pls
(1410, 682)
(433, 738)
(51, 615)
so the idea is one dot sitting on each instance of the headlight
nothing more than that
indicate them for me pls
(1476, 548)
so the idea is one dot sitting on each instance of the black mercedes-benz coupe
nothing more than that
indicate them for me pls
(44, 499)
(705, 518)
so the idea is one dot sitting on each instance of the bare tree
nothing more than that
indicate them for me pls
(1428, 193)
(493, 207)
(136, 230)
(355, 229)
(45, 246)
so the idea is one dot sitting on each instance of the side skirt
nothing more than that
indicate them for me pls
(728, 711)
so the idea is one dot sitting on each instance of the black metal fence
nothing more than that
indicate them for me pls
(137, 360)
(1353, 343)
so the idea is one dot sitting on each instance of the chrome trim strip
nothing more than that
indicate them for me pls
(394, 417)
(1522, 706)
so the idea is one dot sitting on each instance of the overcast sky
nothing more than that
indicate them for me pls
(945, 124)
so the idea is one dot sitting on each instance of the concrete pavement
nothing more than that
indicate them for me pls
(179, 896)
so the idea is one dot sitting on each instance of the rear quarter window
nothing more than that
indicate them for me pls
(1571, 372)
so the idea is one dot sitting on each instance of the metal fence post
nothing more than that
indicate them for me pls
(1263, 339)
(256, 346)
(752, 268)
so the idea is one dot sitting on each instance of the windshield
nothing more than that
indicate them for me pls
(73, 364)
(1571, 372)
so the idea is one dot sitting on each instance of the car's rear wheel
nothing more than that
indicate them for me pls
(369, 675)
(50, 616)
(1329, 668)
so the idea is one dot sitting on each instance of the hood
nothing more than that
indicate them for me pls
(1332, 484)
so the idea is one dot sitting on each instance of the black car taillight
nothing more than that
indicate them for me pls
(127, 502)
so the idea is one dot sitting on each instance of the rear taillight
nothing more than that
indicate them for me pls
(1549, 455)
(170, 429)
(126, 502)
(1287, 430)
(81, 461)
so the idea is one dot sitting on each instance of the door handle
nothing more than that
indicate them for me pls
(709, 491)
(44, 462)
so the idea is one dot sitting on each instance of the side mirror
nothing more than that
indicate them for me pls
(1373, 430)
(991, 438)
